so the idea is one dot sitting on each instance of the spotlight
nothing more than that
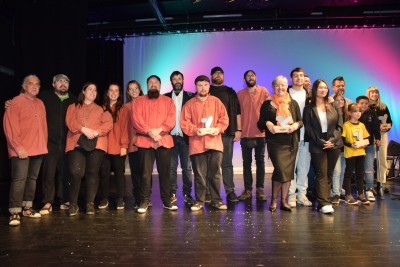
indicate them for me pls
(229, 1)
(195, 1)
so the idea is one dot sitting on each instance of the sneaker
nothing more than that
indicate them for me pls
(64, 206)
(120, 204)
(370, 194)
(245, 195)
(335, 199)
(103, 203)
(220, 205)
(349, 199)
(150, 204)
(136, 206)
(173, 198)
(363, 199)
(73, 210)
(143, 207)
(46, 209)
(196, 207)
(292, 201)
(231, 197)
(327, 209)
(170, 206)
(302, 199)
(14, 219)
(208, 198)
(189, 200)
(260, 195)
(90, 208)
(30, 213)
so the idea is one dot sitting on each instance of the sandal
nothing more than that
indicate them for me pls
(46, 211)
(31, 214)
(14, 219)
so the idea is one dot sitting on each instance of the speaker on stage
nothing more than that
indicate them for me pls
(393, 152)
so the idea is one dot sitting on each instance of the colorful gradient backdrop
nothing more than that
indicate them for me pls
(364, 57)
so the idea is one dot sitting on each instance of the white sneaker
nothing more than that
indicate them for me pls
(370, 196)
(292, 201)
(327, 209)
(302, 199)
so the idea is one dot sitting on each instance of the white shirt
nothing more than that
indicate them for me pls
(178, 105)
(300, 97)
(324, 121)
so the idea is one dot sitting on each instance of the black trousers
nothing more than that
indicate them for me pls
(324, 163)
(352, 163)
(207, 165)
(117, 163)
(134, 165)
(83, 163)
(54, 174)
(162, 156)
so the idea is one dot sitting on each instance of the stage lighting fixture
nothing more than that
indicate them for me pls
(229, 1)
(195, 1)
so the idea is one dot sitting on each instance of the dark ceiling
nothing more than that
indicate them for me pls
(148, 17)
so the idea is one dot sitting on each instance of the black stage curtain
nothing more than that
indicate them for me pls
(105, 63)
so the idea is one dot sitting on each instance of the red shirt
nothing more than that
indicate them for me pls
(118, 137)
(25, 126)
(192, 113)
(250, 106)
(96, 119)
(152, 114)
(131, 130)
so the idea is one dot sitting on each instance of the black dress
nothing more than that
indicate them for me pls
(282, 147)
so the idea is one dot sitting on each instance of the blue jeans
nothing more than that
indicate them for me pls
(247, 145)
(302, 166)
(369, 166)
(338, 175)
(24, 173)
(180, 149)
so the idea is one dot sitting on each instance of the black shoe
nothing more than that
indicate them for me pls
(120, 204)
(272, 209)
(231, 197)
(285, 208)
(208, 198)
(90, 208)
(73, 209)
(103, 203)
(335, 199)
(188, 199)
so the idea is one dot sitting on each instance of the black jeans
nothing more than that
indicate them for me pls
(207, 166)
(352, 163)
(118, 165)
(181, 150)
(162, 156)
(134, 165)
(324, 163)
(83, 163)
(24, 173)
(55, 174)
(247, 145)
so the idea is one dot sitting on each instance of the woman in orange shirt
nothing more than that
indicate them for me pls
(133, 91)
(117, 146)
(86, 121)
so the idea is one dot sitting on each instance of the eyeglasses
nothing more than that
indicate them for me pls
(131, 89)
(62, 81)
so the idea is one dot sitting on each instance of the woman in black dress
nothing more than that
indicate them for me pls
(282, 147)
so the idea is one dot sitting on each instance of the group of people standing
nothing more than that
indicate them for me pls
(71, 138)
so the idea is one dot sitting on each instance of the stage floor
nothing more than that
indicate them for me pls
(246, 234)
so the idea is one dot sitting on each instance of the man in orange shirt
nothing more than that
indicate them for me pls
(205, 150)
(251, 99)
(153, 116)
(25, 128)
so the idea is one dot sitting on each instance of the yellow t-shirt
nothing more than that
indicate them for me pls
(353, 133)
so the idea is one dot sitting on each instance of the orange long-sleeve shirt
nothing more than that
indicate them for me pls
(25, 126)
(97, 120)
(131, 130)
(118, 137)
(250, 106)
(152, 114)
(192, 113)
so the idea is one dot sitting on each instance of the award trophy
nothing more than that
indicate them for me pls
(207, 129)
(283, 128)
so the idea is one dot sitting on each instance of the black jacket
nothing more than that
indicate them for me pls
(56, 111)
(185, 98)
(313, 127)
(372, 124)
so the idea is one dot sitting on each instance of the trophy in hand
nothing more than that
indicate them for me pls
(283, 128)
(207, 129)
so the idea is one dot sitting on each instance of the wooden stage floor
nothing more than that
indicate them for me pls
(247, 234)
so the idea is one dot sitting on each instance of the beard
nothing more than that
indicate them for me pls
(202, 94)
(153, 93)
(250, 83)
(177, 87)
(217, 81)
(62, 90)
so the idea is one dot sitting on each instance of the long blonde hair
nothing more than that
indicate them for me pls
(379, 103)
